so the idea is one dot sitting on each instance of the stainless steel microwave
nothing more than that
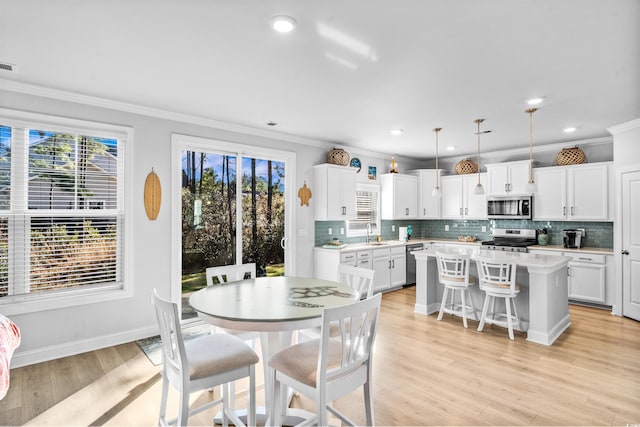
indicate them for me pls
(509, 207)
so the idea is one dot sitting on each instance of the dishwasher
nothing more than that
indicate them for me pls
(411, 262)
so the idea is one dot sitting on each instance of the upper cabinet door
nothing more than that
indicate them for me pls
(399, 195)
(588, 192)
(451, 203)
(475, 205)
(334, 196)
(507, 178)
(428, 206)
(550, 199)
(576, 193)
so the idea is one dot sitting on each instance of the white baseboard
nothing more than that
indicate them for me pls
(45, 354)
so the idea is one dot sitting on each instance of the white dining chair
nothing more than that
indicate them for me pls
(328, 368)
(498, 280)
(232, 273)
(201, 363)
(359, 278)
(453, 272)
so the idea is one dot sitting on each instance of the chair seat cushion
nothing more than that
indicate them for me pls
(499, 287)
(300, 361)
(217, 353)
(456, 280)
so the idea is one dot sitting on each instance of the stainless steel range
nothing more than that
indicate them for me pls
(511, 239)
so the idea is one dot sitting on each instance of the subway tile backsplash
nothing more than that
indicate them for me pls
(598, 234)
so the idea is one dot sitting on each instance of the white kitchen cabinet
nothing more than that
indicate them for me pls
(334, 196)
(390, 266)
(575, 193)
(428, 206)
(587, 277)
(590, 276)
(507, 178)
(399, 196)
(458, 200)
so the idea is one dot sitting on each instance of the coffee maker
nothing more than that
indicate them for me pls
(573, 238)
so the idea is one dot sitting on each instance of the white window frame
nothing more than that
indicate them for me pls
(28, 303)
(362, 233)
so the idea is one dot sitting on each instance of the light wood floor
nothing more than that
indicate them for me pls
(426, 373)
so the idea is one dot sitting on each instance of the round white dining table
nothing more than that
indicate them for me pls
(274, 306)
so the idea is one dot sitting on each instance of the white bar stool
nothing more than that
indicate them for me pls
(498, 279)
(453, 271)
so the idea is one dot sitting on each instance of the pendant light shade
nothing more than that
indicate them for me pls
(531, 185)
(436, 190)
(479, 188)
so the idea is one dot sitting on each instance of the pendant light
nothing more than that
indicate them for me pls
(531, 186)
(436, 190)
(479, 188)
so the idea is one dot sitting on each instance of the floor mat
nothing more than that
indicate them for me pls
(152, 346)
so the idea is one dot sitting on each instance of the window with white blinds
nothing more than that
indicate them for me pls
(367, 211)
(61, 209)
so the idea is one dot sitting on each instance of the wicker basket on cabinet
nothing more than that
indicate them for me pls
(466, 166)
(570, 156)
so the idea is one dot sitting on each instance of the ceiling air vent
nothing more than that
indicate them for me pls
(7, 67)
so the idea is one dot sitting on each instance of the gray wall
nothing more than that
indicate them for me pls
(56, 333)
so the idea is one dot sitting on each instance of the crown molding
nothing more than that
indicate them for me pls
(605, 140)
(624, 127)
(94, 101)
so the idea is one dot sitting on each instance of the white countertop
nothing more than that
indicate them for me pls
(522, 259)
(392, 243)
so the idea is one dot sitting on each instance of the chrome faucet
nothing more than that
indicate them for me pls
(368, 232)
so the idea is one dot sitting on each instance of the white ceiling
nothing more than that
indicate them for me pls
(351, 70)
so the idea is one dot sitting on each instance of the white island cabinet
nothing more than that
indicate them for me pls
(543, 302)
(334, 196)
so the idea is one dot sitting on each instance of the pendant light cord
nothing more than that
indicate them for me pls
(531, 111)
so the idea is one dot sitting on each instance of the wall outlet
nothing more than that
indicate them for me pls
(393, 227)
(329, 231)
(446, 227)
(484, 228)
(341, 230)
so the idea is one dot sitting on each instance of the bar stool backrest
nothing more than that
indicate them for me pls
(453, 268)
(497, 273)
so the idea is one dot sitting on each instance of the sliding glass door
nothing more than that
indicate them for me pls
(233, 209)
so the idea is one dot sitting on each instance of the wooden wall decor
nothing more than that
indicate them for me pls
(305, 194)
(152, 195)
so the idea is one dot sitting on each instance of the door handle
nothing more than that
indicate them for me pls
(572, 209)
(283, 243)
(506, 190)
(389, 265)
(460, 211)
(466, 211)
(393, 263)
(625, 252)
(406, 211)
(424, 211)
(564, 210)
(344, 210)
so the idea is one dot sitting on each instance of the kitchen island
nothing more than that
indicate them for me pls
(543, 303)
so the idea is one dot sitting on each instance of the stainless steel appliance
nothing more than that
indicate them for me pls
(411, 262)
(509, 207)
(511, 239)
(573, 237)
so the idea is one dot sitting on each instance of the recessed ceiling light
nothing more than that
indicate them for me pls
(535, 101)
(451, 148)
(569, 129)
(283, 23)
(396, 131)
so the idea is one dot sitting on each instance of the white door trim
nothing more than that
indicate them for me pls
(618, 306)
(179, 143)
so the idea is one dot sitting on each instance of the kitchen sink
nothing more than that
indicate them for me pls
(377, 243)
